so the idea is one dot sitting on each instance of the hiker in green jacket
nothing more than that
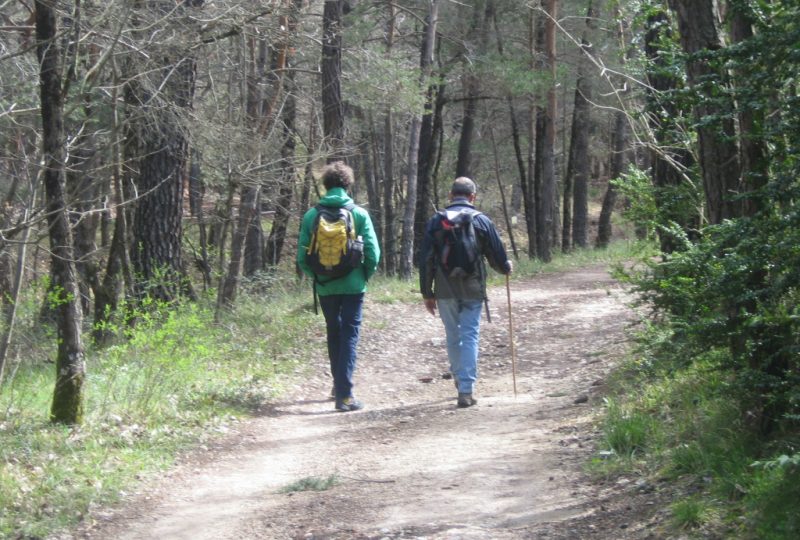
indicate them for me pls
(341, 298)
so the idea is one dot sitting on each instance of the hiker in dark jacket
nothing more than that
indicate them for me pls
(460, 296)
(341, 298)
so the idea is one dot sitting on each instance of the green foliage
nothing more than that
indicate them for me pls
(737, 289)
(174, 379)
(772, 499)
(311, 483)
(379, 80)
(657, 209)
(691, 513)
(626, 431)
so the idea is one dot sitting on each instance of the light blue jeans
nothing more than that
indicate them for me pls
(462, 325)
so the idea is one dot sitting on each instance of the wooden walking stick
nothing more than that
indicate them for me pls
(511, 336)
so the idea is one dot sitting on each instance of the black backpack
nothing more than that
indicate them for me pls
(458, 253)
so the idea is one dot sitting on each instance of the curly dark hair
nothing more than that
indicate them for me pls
(337, 174)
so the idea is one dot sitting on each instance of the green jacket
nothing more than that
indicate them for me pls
(356, 281)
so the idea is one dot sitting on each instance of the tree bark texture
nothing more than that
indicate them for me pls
(620, 136)
(280, 222)
(430, 134)
(368, 177)
(717, 151)
(482, 17)
(578, 162)
(389, 253)
(426, 63)
(83, 194)
(258, 101)
(331, 65)
(67, 406)
(753, 151)
(162, 98)
(247, 212)
(546, 210)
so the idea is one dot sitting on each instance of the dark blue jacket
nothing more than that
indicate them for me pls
(434, 283)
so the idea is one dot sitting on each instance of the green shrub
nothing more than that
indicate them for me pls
(626, 431)
(772, 500)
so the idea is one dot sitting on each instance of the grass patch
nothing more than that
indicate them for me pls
(681, 422)
(626, 430)
(177, 380)
(693, 513)
(311, 483)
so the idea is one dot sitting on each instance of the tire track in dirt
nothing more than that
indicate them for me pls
(411, 465)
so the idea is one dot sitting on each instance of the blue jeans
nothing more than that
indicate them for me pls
(342, 323)
(462, 325)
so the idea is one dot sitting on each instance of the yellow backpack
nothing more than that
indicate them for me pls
(334, 250)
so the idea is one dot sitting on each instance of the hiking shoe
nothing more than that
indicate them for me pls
(466, 400)
(349, 404)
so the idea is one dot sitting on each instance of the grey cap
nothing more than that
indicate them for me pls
(463, 186)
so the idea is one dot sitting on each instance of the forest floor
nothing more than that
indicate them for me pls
(412, 465)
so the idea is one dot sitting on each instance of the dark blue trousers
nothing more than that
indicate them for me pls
(342, 322)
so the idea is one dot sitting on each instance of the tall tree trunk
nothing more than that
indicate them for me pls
(389, 253)
(426, 63)
(283, 62)
(482, 17)
(531, 192)
(719, 159)
(332, 105)
(518, 198)
(546, 211)
(280, 223)
(247, 212)
(162, 97)
(617, 166)
(753, 151)
(578, 163)
(259, 104)
(67, 406)
(464, 163)
(83, 192)
(369, 163)
(428, 150)
(389, 235)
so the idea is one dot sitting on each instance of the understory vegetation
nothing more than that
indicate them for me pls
(174, 381)
(710, 400)
(686, 428)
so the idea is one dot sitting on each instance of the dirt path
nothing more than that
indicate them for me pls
(411, 465)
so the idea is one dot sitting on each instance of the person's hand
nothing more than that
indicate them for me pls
(510, 266)
(430, 305)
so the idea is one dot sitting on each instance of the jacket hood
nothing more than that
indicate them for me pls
(336, 197)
